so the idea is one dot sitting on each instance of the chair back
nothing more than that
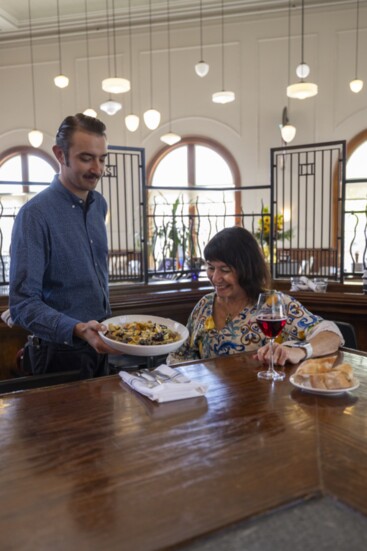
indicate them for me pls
(349, 334)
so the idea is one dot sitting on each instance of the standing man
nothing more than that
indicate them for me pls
(59, 258)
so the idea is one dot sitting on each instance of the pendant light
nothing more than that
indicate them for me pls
(61, 80)
(287, 130)
(35, 136)
(152, 117)
(132, 121)
(201, 68)
(302, 89)
(115, 84)
(356, 84)
(111, 107)
(224, 96)
(170, 138)
(90, 112)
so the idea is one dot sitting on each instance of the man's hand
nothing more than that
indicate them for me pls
(89, 332)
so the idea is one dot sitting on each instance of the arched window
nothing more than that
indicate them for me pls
(192, 195)
(356, 204)
(27, 165)
(23, 172)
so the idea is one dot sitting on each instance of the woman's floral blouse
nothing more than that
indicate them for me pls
(242, 334)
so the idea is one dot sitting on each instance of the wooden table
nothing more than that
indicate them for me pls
(93, 466)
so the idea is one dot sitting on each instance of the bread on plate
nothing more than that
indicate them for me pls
(321, 373)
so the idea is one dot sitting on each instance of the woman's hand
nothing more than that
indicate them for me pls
(282, 354)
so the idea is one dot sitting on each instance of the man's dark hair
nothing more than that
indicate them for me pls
(239, 249)
(77, 122)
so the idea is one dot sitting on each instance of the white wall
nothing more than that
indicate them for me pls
(256, 68)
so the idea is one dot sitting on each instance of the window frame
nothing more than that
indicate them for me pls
(23, 151)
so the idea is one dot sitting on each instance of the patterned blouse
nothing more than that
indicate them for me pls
(242, 333)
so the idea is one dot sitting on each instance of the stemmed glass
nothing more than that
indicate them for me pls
(271, 318)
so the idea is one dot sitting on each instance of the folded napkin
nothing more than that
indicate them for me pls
(178, 388)
(303, 284)
(5, 316)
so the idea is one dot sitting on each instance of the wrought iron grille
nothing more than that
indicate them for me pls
(309, 182)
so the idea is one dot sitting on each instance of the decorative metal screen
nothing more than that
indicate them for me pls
(308, 183)
(122, 186)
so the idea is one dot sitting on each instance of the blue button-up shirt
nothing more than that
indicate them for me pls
(59, 263)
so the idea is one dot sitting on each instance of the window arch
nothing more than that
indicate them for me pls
(355, 204)
(23, 172)
(194, 190)
(25, 165)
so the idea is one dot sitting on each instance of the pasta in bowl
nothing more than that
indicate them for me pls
(140, 335)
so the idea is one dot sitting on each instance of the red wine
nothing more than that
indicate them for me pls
(271, 327)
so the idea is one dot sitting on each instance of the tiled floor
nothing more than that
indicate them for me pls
(322, 524)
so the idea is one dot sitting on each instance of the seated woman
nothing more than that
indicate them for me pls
(224, 321)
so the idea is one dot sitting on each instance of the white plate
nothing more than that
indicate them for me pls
(324, 391)
(146, 350)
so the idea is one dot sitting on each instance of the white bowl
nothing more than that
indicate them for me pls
(145, 350)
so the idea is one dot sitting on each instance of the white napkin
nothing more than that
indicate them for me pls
(5, 316)
(303, 284)
(167, 391)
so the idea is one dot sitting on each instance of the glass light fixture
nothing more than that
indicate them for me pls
(287, 130)
(111, 107)
(115, 84)
(61, 80)
(356, 84)
(35, 138)
(90, 112)
(170, 138)
(132, 122)
(152, 117)
(224, 96)
(303, 70)
(302, 89)
(201, 68)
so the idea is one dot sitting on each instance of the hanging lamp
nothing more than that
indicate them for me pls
(302, 89)
(201, 67)
(356, 84)
(152, 116)
(61, 80)
(35, 136)
(170, 138)
(115, 84)
(132, 121)
(224, 96)
(90, 112)
(287, 130)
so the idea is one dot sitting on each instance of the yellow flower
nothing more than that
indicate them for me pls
(209, 323)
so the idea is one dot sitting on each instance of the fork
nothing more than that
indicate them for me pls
(149, 382)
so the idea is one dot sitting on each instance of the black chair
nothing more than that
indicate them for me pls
(349, 334)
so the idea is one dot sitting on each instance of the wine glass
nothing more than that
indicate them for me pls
(271, 318)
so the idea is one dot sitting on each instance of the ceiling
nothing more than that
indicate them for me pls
(14, 19)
